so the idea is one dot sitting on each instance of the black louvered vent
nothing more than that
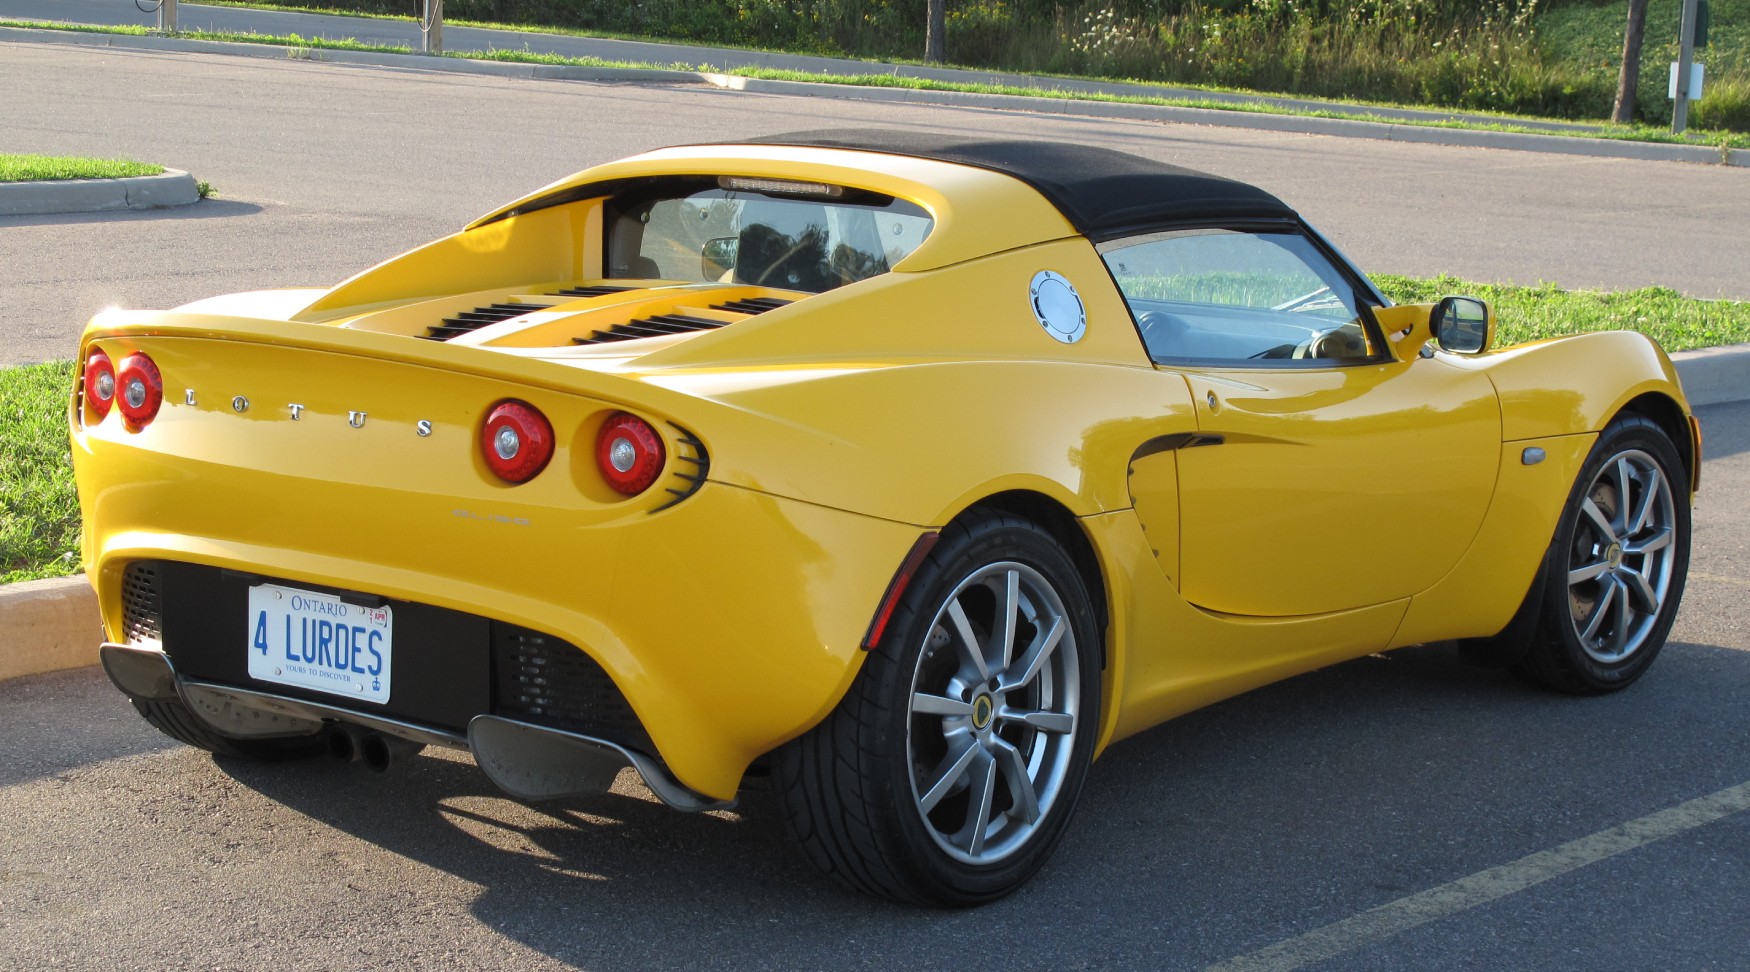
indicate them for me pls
(596, 291)
(691, 467)
(655, 326)
(478, 318)
(552, 683)
(142, 610)
(752, 305)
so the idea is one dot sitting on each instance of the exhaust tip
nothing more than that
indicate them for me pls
(376, 753)
(345, 743)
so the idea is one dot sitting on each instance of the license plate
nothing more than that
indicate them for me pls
(319, 642)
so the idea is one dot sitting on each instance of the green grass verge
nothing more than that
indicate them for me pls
(39, 168)
(1677, 322)
(1508, 123)
(39, 515)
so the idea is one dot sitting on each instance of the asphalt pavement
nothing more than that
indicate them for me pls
(325, 169)
(1398, 812)
(1259, 833)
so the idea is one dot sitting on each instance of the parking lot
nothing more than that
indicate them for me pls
(1403, 811)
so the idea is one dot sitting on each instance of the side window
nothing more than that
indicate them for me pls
(1237, 296)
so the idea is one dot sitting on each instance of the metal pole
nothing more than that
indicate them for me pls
(167, 16)
(1685, 58)
(431, 27)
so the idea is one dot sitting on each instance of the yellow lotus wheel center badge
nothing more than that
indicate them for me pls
(1613, 556)
(982, 711)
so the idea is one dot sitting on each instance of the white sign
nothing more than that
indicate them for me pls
(1694, 82)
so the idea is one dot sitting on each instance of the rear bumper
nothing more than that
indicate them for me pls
(527, 761)
(728, 625)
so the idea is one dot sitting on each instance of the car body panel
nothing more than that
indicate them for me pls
(1348, 507)
(1369, 445)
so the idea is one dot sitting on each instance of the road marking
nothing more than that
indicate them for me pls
(1485, 886)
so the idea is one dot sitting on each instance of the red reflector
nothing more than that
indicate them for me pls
(139, 390)
(896, 588)
(629, 453)
(517, 441)
(99, 384)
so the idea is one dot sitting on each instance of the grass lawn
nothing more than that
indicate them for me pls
(37, 168)
(39, 514)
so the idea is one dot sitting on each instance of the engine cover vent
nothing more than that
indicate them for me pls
(752, 305)
(478, 318)
(600, 290)
(655, 326)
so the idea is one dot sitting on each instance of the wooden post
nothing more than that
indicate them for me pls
(167, 16)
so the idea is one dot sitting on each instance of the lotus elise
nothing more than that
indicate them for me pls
(905, 471)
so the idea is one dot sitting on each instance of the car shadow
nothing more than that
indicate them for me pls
(212, 208)
(1274, 812)
(34, 709)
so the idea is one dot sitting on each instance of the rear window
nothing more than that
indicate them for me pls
(792, 236)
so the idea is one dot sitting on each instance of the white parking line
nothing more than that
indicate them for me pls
(1485, 886)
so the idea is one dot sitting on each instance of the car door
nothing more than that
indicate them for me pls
(1326, 474)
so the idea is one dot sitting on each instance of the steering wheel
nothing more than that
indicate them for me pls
(1336, 342)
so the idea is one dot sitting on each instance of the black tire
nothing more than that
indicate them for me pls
(173, 719)
(872, 795)
(1600, 633)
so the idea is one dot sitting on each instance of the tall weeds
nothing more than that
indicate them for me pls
(1461, 54)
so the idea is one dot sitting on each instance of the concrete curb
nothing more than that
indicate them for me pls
(48, 625)
(1262, 121)
(172, 187)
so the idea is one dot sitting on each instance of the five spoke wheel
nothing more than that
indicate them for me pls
(1621, 557)
(1614, 573)
(994, 705)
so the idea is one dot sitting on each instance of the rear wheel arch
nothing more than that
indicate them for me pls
(1057, 519)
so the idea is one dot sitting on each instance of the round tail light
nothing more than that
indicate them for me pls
(99, 384)
(517, 441)
(139, 390)
(629, 452)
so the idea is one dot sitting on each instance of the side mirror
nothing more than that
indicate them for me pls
(718, 256)
(1463, 325)
(1407, 327)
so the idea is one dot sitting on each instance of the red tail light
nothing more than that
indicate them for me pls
(99, 384)
(517, 441)
(139, 390)
(629, 452)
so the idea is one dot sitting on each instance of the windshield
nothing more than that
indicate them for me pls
(792, 242)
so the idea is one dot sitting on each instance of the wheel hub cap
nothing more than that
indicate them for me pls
(1623, 558)
(983, 710)
(993, 713)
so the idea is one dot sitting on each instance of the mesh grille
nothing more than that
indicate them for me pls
(141, 608)
(551, 683)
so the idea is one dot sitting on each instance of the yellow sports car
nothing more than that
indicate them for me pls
(908, 471)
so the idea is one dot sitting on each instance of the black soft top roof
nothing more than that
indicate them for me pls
(1102, 192)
